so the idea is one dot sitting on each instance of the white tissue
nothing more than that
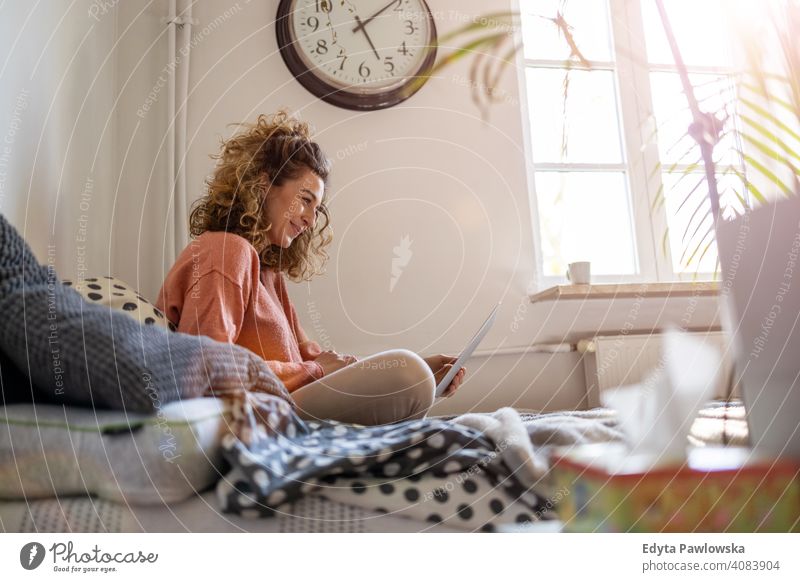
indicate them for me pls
(657, 414)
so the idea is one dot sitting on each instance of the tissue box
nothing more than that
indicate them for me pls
(717, 489)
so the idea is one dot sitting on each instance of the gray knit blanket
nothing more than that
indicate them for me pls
(57, 348)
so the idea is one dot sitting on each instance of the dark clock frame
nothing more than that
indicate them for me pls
(342, 97)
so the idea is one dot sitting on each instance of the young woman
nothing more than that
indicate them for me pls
(264, 216)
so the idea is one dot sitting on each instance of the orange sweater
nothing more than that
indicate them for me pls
(217, 288)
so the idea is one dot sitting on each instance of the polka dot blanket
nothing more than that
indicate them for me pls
(430, 470)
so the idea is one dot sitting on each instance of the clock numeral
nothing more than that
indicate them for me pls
(324, 6)
(363, 70)
(410, 28)
(399, 6)
(322, 47)
(387, 62)
(402, 49)
(342, 56)
(313, 22)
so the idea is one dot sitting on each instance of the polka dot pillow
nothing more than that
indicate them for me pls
(116, 294)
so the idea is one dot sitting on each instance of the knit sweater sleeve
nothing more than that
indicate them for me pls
(309, 349)
(295, 375)
(215, 306)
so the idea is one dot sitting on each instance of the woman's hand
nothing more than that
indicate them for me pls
(331, 361)
(440, 365)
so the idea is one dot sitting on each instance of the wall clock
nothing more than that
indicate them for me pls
(358, 54)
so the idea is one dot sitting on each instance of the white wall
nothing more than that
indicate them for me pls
(56, 130)
(430, 169)
(143, 201)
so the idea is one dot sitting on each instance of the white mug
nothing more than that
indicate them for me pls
(579, 273)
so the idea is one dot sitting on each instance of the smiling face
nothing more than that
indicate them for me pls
(291, 208)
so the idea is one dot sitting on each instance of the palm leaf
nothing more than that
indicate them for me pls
(767, 173)
(771, 137)
(468, 49)
(665, 241)
(689, 194)
(707, 247)
(751, 189)
(697, 247)
(769, 116)
(770, 152)
(489, 64)
(490, 21)
(698, 208)
(659, 199)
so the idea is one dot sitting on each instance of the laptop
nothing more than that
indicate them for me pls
(760, 299)
(467, 352)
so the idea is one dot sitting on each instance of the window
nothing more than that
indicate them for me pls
(617, 180)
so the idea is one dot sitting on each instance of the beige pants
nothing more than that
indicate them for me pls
(383, 388)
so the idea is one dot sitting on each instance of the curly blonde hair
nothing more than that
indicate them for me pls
(281, 146)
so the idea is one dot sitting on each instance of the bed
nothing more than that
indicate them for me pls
(199, 513)
(79, 470)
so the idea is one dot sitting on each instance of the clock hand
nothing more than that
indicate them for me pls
(361, 25)
(369, 40)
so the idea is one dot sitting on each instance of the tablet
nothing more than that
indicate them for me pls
(474, 342)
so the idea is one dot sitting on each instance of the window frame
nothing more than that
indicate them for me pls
(640, 152)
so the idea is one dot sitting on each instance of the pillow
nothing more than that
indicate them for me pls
(51, 450)
(117, 294)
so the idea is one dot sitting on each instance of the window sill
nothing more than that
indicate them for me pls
(569, 313)
(627, 290)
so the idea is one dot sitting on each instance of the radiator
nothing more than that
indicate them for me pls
(620, 360)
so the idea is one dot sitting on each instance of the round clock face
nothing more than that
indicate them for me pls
(360, 54)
